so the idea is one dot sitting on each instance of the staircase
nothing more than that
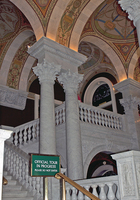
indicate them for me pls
(14, 190)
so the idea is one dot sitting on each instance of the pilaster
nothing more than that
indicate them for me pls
(128, 167)
(131, 99)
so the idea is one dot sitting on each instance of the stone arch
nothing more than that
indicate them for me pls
(96, 150)
(133, 63)
(55, 19)
(80, 23)
(31, 16)
(11, 53)
(110, 53)
(25, 73)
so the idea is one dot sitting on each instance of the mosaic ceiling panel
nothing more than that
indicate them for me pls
(43, 9)
(12, 22)
(96, 57)
(68, 20)
(18, 63)
(112, 25)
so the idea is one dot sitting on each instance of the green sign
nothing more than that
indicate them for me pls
(44, 165)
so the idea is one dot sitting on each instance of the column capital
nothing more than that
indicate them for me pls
(70, 80)
(132, 7)
(46, 71)
(130, 103)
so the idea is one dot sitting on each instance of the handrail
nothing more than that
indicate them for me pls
(77, 186)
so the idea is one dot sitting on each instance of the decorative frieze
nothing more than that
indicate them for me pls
(12, 98)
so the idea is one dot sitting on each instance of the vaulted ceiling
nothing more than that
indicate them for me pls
(98, 29)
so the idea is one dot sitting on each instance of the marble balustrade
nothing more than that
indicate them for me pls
(103, 188)
(29, 132)
(16, 162)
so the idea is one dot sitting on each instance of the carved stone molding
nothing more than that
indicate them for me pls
(130, 103)
(46, 71)
(70, 80)
(12, 98)
(127, 179)
(132, 7)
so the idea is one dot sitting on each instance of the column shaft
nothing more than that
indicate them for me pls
(74, 148)
(47, 119)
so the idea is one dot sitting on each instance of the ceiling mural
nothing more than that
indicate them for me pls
(111, 24)
(68, 20)
(18, 63)
(12, 22)
(96, 59)
(43, 9)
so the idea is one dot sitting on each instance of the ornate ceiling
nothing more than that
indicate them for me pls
(70, 23)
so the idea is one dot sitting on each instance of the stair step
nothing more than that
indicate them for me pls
(12, 182)
(8, 177)
(11, 187)
(15, 194)
(17, 198)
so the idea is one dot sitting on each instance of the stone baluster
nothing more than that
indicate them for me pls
(29, 134)
(70, 83)
(23, 172)
(30, 183)
(41, 188)
(80, 195)
(34, 185)
(68, 193)
(16, 137)
(9, 156)
(87, 188)
(26, 175)
(94, 192)
(14, 164)
(24, 136)
(102, 194)
(38, 186)
(74, 195)
(111, 194)
(11, 163)
(46, 73)
(20, 169)
(17, 166)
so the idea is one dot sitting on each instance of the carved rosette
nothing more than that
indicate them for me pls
(130, 103)
(70, 80)
(46, 71)
(132, 7)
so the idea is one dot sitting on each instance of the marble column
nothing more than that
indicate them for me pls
(46, 73)
(130, 90)
(128, 166)
(4, 134)
(132, 7)
(70, 83)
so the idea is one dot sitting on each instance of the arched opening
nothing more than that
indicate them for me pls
(102, 165)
